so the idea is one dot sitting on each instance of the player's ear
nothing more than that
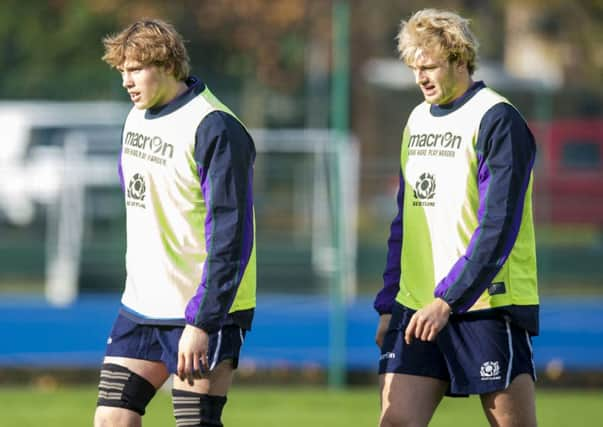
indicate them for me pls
(169, 69)
(460, 64)
(456, 61)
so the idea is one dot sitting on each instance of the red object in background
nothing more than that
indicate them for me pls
(568, 184)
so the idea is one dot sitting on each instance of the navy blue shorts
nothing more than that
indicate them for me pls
(475, 354)
(159, 343)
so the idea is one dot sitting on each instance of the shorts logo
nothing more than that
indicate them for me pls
(109, 340)
(490, 371)
(388, 355)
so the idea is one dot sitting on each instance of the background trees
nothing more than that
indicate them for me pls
(51, 48)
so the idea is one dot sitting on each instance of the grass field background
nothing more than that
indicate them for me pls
(285, 406)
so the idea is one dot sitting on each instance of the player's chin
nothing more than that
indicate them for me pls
(428, 99)
(141, 104)
(432, 99)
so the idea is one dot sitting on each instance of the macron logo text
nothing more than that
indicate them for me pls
(154, 144)
(443, 140)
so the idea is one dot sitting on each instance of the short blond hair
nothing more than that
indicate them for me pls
(150, 42)
(441, 32)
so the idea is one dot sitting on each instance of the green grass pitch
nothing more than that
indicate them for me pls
(283, 406)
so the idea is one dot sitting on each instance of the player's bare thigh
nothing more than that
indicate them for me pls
(409, 400)
(216, 383)
(513, 407)
(154, 372)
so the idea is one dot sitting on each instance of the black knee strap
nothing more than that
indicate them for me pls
(197, 410)
(121, 388)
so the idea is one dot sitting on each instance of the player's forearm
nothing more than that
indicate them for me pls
(229, 248)
(487, 252)
(391, 277)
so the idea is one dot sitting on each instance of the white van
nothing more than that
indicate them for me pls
(46, 144)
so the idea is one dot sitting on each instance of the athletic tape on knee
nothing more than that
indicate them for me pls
(121, 388)
(195, 409)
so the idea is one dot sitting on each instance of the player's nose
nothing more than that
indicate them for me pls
(420, 76)
(126, 79)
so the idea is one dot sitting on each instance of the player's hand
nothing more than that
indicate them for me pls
(427, 322)
(382, 328)
(192, 353)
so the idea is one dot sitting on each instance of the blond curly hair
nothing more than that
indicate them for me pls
(149, 42)
(439, 32)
